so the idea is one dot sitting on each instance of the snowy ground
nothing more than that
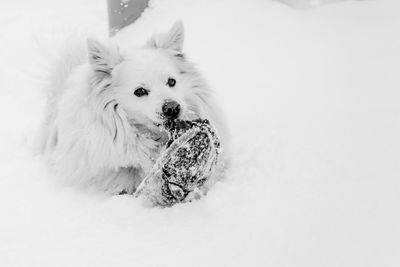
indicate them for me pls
(313, 102)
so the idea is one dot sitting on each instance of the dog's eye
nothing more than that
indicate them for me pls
(141, 92)
(171, 82)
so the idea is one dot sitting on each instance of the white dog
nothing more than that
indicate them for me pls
(105, 108)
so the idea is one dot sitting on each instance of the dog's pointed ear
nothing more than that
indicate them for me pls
(172, 40)
(102, 58)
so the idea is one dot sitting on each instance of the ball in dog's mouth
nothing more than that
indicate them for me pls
(190, 156)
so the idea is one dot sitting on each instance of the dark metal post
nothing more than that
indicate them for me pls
(123, 12)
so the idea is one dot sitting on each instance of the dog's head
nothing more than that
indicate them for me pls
(152, 83)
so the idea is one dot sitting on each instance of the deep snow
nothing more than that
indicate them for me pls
(312, 97)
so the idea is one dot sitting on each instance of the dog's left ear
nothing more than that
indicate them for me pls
(102, 58)
(172, 40)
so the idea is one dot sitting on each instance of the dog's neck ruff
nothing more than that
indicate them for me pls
(127, 147)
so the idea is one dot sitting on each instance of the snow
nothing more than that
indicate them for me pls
(312, 97)
(309, 3)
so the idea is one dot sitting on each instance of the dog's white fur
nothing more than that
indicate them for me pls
(91, 135)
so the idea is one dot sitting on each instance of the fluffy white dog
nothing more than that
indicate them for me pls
(105, 108)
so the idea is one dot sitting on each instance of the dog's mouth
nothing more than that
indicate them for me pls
(153, 131)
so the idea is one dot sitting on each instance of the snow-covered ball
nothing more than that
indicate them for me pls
(186, 164)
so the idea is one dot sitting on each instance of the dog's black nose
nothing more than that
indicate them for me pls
(171, 109)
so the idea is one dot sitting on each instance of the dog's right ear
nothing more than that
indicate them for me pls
(102, 58)
(171, 40)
